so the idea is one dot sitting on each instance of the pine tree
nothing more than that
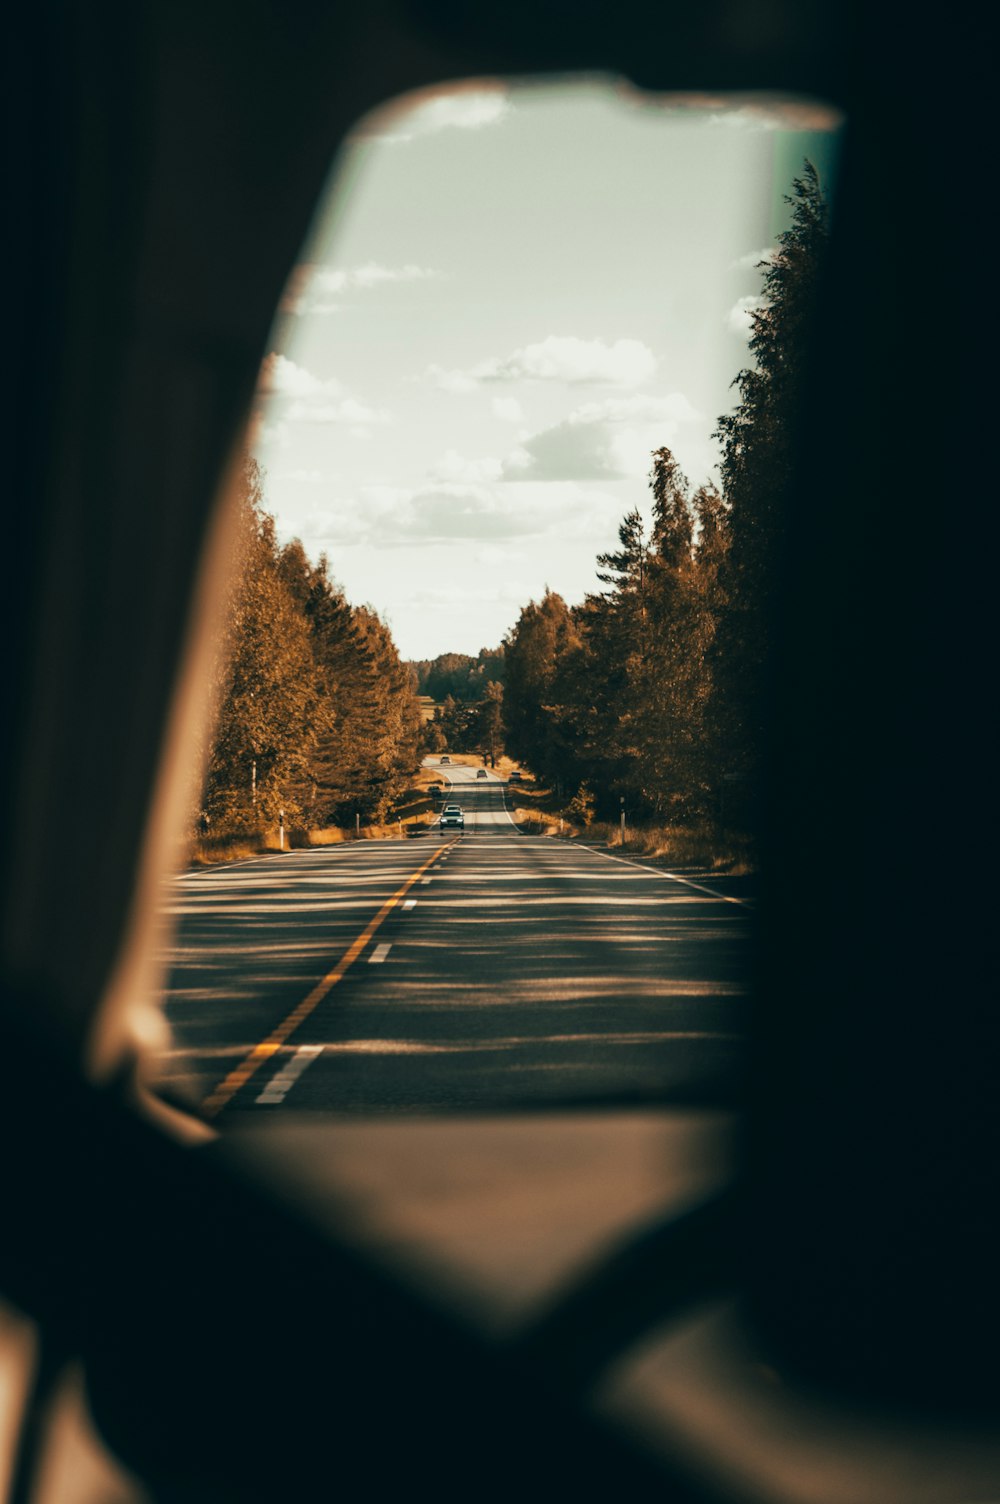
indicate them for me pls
(535, 650)
(756, 471)
(258, 760)
(318, 715)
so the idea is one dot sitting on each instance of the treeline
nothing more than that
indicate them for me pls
(457, 675)
(653, 690)
(462, 727)
(318, 716)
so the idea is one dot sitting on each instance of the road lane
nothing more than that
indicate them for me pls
(254, 939)
(526, 971)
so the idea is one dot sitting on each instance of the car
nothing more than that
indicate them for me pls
(444, 760)
(480, 772)
(452, 817)
(514, 777)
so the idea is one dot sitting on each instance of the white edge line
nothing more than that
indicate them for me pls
(671, 876)
(627, 862)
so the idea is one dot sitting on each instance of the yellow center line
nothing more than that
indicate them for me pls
(227, 1089)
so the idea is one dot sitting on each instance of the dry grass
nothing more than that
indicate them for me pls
(682, 846)
(221, 849)
(535, 811)
(330, 835)
(542, 822)
(238, 849)
(702, 845)
(391, 830)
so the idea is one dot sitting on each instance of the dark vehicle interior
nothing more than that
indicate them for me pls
(239, 1334)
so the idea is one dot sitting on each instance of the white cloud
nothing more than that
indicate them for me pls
(753, 259)
(266, 435)
(609, 440)
(559, 358)
(315, 289)
(281, 377)
(308, 477)
(508, 409)
(306, 398)
(468, 108)
(627, 362)
(457, 512)
(740, 317)
(345, 410)
(450, 381)
(453, 466)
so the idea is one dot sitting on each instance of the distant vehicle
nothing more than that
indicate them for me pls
(480, 772)
(451, 816)
(514, 777)
(445, 759)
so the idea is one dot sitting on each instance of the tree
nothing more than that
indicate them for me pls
(544, 635)
(271, 704)
(491, 721)
(756, 470)
(457, 674)
(318, 715)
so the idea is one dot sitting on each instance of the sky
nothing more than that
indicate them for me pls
(511, 296)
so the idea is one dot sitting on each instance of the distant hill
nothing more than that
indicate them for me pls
(457, 674)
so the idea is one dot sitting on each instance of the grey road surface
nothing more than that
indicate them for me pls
(456, 971)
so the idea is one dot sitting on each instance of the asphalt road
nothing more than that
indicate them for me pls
(486, 969)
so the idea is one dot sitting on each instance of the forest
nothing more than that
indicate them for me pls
(649, 695)
(457, 674)
(318, 719)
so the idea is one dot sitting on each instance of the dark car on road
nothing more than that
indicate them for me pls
(480, 772)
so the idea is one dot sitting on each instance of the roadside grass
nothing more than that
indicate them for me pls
(217, 849)
(538, 812)
(699, 845)
(336, 835)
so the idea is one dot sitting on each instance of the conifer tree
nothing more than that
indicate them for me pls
(756, 471)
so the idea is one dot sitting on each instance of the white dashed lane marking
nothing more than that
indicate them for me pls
(410, 903)
(281, 1083)
(379, 953)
